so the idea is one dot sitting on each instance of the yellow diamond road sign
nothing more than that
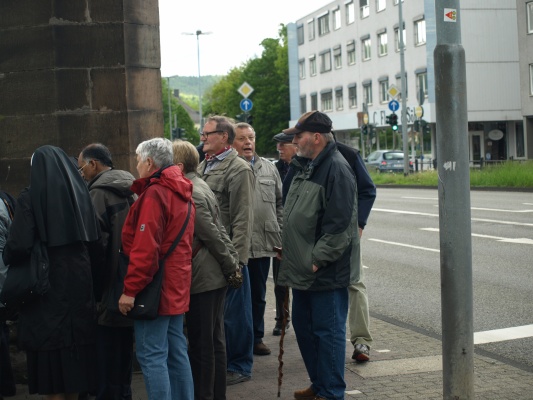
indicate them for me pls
(245, 90)
(393, 91)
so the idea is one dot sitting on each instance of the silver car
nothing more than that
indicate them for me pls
(374, 159)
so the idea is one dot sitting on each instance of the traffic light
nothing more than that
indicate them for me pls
(416, 126)
(393, 121)
(426, 129)
(370, 128)
(177, 133)
(364, 129)
(174, 134)
(240, 117)
(181, 132)
(387, 119)
(250, 119)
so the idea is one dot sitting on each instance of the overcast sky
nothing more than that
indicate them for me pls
(237, 28)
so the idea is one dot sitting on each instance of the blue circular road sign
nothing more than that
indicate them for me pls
(246, 105)
(394, 105)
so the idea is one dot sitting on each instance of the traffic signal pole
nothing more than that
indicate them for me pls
(404, 97)
(454, 204)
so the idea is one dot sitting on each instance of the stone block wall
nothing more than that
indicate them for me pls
(73, 72)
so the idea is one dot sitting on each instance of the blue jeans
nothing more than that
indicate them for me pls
(239, 327)
(319, 321)
(162, 353)
(258, 269)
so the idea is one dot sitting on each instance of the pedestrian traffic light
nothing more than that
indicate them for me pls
(393, 121)
(250, 119)
(387, 119)
(364, 129)
(426, 129)
(240, 117)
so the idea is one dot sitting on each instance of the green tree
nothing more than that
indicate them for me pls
(183, 118)
(269, 76)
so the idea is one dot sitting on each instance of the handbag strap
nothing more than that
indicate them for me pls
(182, 231)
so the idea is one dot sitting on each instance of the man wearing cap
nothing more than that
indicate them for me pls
(320, 253)
(286, 152)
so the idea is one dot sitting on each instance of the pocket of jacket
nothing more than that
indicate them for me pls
(268, 190)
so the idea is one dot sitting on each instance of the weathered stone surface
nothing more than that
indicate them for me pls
(107, 10)
(142, 46)
(26, 49)
(70, 11)
(144, 12)
(22, 13)
(108, 91)
(144, 89)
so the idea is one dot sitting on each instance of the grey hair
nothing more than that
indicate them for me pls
(329, 137)
(158, 149)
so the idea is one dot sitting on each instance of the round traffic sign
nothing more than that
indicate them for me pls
(365, 118)
(246, 105)
(419, 111)
(394, 105)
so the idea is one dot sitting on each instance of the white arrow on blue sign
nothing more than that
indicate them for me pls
(394, 105)
(246, 105)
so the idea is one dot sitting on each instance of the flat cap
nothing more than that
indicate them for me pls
(283, 138)
(312, 121)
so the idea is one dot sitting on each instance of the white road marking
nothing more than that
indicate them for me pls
(500, 335)
(405, 245)
(493, 221)
(500, 210)
(498, 238)
(419, 198)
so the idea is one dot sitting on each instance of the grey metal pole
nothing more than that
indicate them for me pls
(198, 33)
(169, 110)
(454, 205)
(405, 146)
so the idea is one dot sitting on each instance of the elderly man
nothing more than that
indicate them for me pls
(231, 178)
(320, 253)
(266, 234)
(111, 196)
(286, 152)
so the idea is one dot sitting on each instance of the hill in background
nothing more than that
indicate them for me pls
(188, 85)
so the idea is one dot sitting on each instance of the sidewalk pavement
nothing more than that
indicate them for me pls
(404, 364)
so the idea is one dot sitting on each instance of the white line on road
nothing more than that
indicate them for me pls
(405, 245)
(493, 221)
(419, 198)
(498, 238)
(500, 335)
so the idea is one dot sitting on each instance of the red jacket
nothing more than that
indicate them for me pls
(153, 223)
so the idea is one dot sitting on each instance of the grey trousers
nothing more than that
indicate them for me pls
(358, 317)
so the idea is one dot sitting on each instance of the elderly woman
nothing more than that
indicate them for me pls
(57, 330)
(215, 261)
(152, 225)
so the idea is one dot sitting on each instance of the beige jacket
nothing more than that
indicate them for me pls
(232, 182)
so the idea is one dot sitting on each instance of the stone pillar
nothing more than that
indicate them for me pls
(73, 72)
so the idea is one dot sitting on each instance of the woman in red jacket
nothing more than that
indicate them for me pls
(153, 223)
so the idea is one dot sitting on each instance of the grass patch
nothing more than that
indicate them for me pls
(508, 174)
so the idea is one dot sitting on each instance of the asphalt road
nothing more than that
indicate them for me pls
(402, 266)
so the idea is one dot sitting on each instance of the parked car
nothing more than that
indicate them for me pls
(392, 161)
(373, 161)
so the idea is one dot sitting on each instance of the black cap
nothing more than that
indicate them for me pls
(283, 138)
(312, 121)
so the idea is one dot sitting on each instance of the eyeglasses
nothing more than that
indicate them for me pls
(206, 134)
(80, 169)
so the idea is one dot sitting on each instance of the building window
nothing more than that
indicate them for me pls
(352, 96)
(420, 32)
(336, 19)
(367, 93)
(397, 39)
(339, 101)
(520, 143)
(301, 66)
(529, 12)
(396, 2)
(325, 61)
(422, 84)
(311, 29)
(314, 102)
(381, 5)
(300, 33)
(312, 66)
(365, 9)
(366, 49)
(531, 79)
(383, 88)
(326, 99)
(337, 57)
(350, 52)
(323, 24)
(350, 13)
(399, 86)
(382, 44)
(303, 104)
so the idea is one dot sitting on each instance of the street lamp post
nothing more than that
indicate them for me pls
(198, 33)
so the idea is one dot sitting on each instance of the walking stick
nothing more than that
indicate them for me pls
(282, 337)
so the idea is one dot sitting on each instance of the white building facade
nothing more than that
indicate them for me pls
(344, 57)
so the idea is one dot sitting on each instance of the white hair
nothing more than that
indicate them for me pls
(158, 149)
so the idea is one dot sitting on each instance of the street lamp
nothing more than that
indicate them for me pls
(198, 33)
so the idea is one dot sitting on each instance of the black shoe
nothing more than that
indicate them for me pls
(232, 378)
(278, 328)
(261, 349)
(361, 352)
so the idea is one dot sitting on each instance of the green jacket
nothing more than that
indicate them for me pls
(268, 209)
(215, 255)
(232, 182)
(320, 224)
